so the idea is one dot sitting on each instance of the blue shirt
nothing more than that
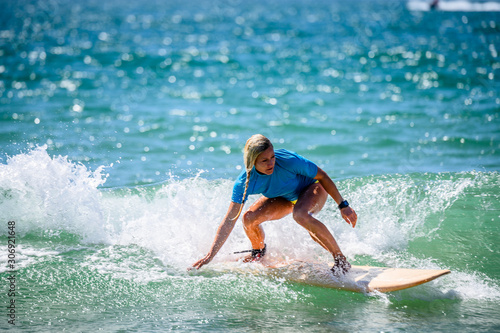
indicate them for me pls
(291, 175)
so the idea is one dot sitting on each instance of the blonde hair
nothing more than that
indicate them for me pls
(253, 148)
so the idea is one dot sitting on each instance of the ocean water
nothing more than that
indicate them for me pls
(121, 133)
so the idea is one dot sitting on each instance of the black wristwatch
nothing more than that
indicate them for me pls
(343, 204)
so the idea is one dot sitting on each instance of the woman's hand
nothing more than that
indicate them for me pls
(349, 215)
(222, 234)
(205, 260)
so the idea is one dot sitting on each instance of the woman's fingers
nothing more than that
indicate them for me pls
(349, 216)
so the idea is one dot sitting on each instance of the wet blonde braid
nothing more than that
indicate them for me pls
(253, 147)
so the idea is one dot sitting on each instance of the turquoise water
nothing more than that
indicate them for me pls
(121, 131)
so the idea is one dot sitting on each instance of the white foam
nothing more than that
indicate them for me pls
(25, 256)
(46, 193)
(473, 286)
(126, 263)
(395, 209)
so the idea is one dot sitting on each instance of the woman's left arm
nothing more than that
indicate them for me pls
(348, 214)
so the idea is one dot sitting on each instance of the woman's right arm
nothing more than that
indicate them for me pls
(222, 234)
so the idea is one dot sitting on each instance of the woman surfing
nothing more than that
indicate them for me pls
(289, 183)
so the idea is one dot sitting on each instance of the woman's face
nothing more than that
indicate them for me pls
(265, 161)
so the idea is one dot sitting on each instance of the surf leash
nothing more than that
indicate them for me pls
(255, 253)
(246, 251)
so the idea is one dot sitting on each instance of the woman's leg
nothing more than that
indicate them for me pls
(312, 201)
(264, 209)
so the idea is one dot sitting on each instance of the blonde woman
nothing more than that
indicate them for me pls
(289, 183)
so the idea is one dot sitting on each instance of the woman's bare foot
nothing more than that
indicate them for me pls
(256, 255)
(341, 266)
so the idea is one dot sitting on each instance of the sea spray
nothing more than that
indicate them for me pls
(395, 209)
(52, 194)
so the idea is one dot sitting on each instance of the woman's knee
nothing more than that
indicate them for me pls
(301, 217)
(248, 219)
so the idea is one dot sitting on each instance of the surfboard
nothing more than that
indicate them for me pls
(362, 279)
(359, 278)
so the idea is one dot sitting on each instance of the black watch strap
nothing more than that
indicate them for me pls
(343, 204)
